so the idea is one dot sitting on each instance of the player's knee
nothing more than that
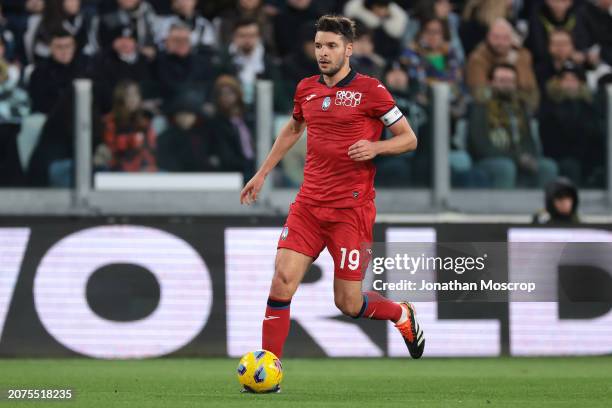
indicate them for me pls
(348, 306)
(283, 282)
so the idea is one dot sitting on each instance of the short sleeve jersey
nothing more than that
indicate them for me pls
(357, 107)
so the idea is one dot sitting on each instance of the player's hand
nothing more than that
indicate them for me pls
(362, 150)
(249, 193)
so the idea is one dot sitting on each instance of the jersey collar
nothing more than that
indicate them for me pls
(344, 81)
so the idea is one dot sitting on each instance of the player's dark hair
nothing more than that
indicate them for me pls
(503, 65)
(337, 24)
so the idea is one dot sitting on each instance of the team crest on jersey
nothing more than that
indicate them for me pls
(285, 233)
(348, 98)
(326, 103)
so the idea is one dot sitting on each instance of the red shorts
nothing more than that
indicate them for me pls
(346, 232)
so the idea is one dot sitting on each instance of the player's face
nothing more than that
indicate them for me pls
(332, 52)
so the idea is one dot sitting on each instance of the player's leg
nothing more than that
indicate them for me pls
(349, 240)
(298, 246)
(289, 269)
(351, 301)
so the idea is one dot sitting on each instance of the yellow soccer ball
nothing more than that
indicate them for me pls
(260, 371)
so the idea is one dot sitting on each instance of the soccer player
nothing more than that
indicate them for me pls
(345, 113)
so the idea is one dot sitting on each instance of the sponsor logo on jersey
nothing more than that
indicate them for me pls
(309, 97)
(355, 194)
(348, 98)
(285, 233)
(326, 103)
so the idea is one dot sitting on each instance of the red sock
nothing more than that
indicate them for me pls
(276, 326)
(378, 307)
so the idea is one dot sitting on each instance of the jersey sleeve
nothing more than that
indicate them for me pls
(298, 115)
(381, 105)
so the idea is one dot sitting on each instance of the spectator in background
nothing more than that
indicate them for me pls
(60, 15)
(187, 145)
(13, 107)
(235, 141)
(596, 18)
(121, 62)
(287, 23)
(478, 16)
(51, 78)
(500, 136)
(203, 33)
(409, 168)
(19, 24)
(137, 14)
(551, 16)
(431, 59)
(499, 48)
(560, 202)
(302, 62)
(385, 18)
(426, 10)
(560, 52)
(248, 56)
(14, 102)
(365, 60)
(7, 37)
(51, 164)
(129, 141)
(253, 9)
(569, 128)
(179, 69)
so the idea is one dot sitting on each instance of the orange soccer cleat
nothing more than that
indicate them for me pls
(411, 330)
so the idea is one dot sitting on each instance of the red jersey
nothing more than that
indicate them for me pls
(358, 107)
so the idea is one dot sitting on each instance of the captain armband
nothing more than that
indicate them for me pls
(392, 116)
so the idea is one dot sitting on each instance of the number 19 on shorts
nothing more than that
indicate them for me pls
(353, 259)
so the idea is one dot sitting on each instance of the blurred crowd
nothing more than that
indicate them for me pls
(174, 83)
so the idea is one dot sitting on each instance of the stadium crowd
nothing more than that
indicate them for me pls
(174, 83)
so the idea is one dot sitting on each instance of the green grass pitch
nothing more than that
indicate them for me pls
(196, 382)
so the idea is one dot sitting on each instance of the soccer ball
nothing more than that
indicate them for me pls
(260, 371)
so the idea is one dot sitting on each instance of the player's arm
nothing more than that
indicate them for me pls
(288, 136)
(403, 140)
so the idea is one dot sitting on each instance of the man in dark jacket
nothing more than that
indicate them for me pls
(301, 63)
(140, 16)
(51, 79)
(248, 58)
(287, 22)
(122, 62)
(569, 127)
(596, 16)
(179, 69)
(548, 17)
(561, 204)
(188, 145)
(561, 50)
(500, 136)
